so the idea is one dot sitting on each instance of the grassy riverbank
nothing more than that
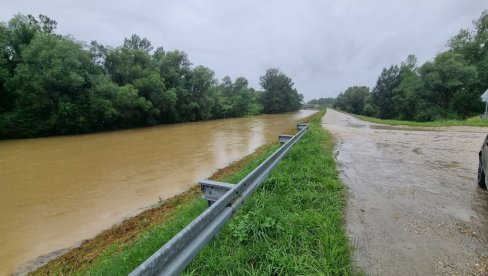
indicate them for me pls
(293, 224)
(473, 121)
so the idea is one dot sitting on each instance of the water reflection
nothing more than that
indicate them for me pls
(57, 191)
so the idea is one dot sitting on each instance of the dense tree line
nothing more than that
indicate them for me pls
(448, 87)
(353, 99)
(319, 103)
(52, 84)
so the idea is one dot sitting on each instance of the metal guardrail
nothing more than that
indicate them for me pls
(224, 200)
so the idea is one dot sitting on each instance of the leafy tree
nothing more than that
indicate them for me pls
(135, 42)
(125, 65)
(255, 106)
(175, 68)
(132, 64)
(112, 106)
(449, 82)
(473, 46)
(370, 109)
(383, 92)
(449, 86)
(353, 100)
(202, 82)
(99, 53)
(226, 102)
(15, 36)
(407, 94)
(279, 94)
(237, 99)
(6, 97)
(326, 102)
(242, 98)
(50, 86)
(20, 30)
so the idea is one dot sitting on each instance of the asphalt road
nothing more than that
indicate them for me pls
(414, 206)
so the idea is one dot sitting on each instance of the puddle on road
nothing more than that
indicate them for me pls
(413, 201)
(356, 126)
(388, 127)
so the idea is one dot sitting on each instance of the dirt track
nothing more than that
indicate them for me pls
(414, 207)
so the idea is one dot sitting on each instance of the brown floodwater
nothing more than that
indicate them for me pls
(57, 191)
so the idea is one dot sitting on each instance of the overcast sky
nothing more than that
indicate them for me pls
(324, 46)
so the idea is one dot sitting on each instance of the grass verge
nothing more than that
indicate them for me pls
(473, 121)
(292, 225)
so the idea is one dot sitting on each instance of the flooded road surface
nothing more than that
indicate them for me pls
(55, 192)
(414, 206)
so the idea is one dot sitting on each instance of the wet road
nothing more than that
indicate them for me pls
(414, 207)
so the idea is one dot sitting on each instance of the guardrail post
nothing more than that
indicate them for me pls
(284, 138)
(224, 200)
(213, 190)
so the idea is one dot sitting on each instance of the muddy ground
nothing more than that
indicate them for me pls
(414, 206)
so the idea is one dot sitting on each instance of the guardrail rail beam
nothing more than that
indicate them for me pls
(224, 200)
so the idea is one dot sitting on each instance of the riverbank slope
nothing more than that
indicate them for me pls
(293, 223)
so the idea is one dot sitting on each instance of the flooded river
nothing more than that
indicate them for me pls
(55, 192)
(414, 206)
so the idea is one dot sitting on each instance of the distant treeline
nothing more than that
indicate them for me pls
(449, 87)
(319, 103)
(51, 84)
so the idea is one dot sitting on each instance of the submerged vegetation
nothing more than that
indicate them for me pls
(446, 88)
(52, 84)
(293, 224)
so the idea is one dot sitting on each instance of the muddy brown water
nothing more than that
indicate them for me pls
(58, 191)
(414, 207)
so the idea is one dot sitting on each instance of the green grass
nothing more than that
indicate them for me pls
(473, 121)
(121, 261)
(293, 224)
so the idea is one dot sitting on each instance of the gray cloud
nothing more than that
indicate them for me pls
(325, 46)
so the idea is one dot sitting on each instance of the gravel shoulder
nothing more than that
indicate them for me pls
(414, 207)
